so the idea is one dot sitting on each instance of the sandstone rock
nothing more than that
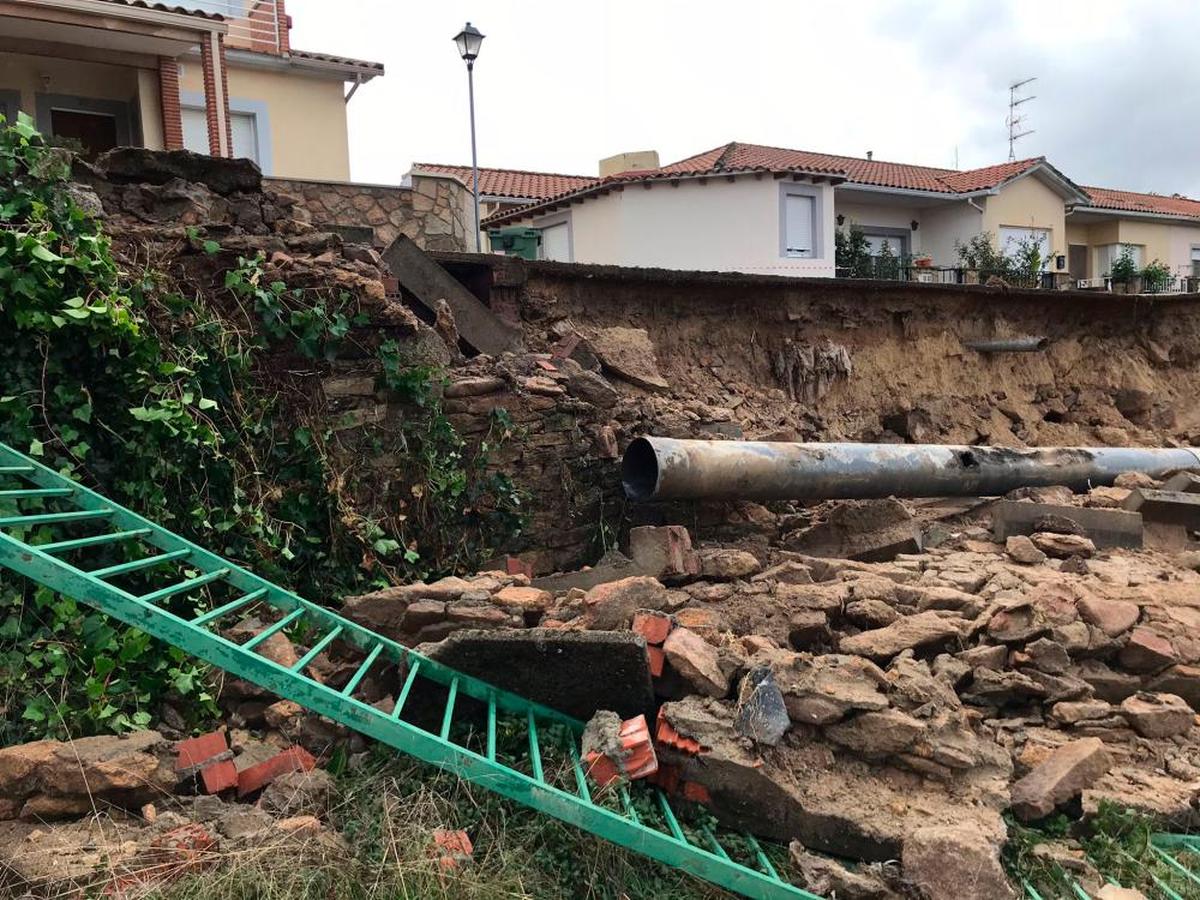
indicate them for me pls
(1074, 712)
(875, 734)
(1146, 652)
(1182, 680)
(1062, 546)
(1112, 892)
(1069, 770)
(1021, 549)
(827, 877)
(911, 632)
(955, 863)
(1108, 684)
(628, 353)
(611, 605)
(819, 690)
(523, 598)
(697, 661)
(789, 572)
(1157, 715)
(1111, 616)
(727, 564)
(987, 657)
(1018, 625)
(664, 550)
(1048, 656)
(1131, 480)
(870, 613)
(911, 686)
(807, 627)
(992, 688)
(593, 388)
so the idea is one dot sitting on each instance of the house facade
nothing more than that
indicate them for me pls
(214, 76)
(750, 208)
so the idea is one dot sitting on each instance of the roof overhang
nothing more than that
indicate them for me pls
(101, 16)
(649, 179)
(1050, 176)
(339, 70)
(913, 193)
(1105, 213)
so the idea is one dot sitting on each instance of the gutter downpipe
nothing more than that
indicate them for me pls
(358, 82)
(657, 468)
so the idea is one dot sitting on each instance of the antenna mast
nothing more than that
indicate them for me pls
(1014, 120)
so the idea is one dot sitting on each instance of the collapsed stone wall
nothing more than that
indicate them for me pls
(435, 212)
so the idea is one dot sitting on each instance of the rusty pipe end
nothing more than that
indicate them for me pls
(639, 470)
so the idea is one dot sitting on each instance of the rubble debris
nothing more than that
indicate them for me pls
(920, 631)
(1063, 546)
(1068, 771)
(809, 372)
(827, 877)
(1157, 715)
(628, 353)
(761, 711)
(697, 661)
(955, 864)
(1104, 527)
(663, 551)
(451, 848)
(616, 751)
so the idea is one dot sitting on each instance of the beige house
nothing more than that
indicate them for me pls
(215, 76)
(1152, 226)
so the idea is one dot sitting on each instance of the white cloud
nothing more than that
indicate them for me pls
(561, 84)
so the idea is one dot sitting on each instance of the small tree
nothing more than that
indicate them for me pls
(887, 265)
(1156, 277)
(852, 253)
(1124, 267)
(1029, 259)
(979, 253)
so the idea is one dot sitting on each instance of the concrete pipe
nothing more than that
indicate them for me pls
(1008, 345)
(667, 469)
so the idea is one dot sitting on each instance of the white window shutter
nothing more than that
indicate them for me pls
(799, 213)
(556, 242)
(245, 136)
(195, 130)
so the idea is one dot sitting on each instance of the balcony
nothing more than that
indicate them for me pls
(255, 25)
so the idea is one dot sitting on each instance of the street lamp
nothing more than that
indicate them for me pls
(469, 41)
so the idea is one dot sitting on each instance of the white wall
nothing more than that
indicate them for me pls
(866, 215)
(943, 225)
(1183, 238)
(720, 225)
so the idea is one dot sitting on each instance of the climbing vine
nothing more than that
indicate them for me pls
(169, 399)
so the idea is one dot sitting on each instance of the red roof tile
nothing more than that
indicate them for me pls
(1157, 204)
(347, 61)
(514, 183)
(171, 8)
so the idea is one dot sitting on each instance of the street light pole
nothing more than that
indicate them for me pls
(468, 41)
(474, 156)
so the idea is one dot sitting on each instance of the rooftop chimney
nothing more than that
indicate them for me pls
(870, 155)
(634, 161)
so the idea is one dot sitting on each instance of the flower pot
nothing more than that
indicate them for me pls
(923, 262)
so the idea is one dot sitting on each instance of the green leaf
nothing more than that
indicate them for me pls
(206, 403)
(76, 302)
(211, 247)
(44, 253)
(36, 448)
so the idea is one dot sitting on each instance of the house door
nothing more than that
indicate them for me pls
(96, 132)
(556, 242)
(1077, 260)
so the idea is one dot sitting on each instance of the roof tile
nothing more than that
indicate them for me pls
(514, 183)
(1157, 204)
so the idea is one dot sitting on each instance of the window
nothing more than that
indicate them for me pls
(244, 126)
(1013, 239)
(1196, 262)
(1110, 253)
(95, 132)
(897, 244)
(800, 226)
(556, 242)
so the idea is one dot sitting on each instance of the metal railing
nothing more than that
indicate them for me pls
(253, 24)
(885, 269)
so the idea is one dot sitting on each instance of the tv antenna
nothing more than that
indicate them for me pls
(1015, 120)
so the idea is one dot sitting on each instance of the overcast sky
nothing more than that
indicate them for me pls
(560, 84)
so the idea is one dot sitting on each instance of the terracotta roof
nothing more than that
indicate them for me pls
(1156, 204)
(167, 7)
(737, 157)
(514, 183)
(350, 62)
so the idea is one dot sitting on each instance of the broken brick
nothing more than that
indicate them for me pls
(663, 550)
(667, 777)
(696, 792)
(635, 758)
(451, 847)
(515, 566)
(199, 751)
(653, 626)
(665, 733)
(293, 759)
(656, 659)
(220, 776)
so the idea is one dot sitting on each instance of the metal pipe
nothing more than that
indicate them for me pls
(667, 469)
(1008, 345)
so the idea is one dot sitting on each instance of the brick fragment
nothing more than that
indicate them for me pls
(293, 759)
(665, 733)
(653, 626)
(451, 848)
(199, 751)
(218, 777)
(656, 659)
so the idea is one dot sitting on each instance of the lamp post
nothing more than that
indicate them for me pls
(469, 41)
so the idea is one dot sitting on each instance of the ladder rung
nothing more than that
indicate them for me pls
(94, 540)
(181, 587)
(229, 607)
(577, 765)
(669, 815)
(712, 839)
(535, 753)
(139, 564)
(47, 518)
(760, 856)
(348, 690)
(317, 648)
(15, 470)
(491, 726)
(408, 683)
(274, 629)
(448, 715)
(29, 493)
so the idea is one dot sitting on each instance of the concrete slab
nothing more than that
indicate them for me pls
(1185, 482)
(429, 282)
(613, 566)
(1171, 507)
(575, 672)
(1106, 527)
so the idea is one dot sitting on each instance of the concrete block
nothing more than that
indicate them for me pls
(1170, 507)
(1106, 527)
(1183, 482)
(660, 550)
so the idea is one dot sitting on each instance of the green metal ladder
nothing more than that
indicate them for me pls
(46, 563)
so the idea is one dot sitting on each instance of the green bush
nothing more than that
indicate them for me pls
(1124, 267)
(116, 376)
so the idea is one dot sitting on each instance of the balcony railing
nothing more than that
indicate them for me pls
(896, 269)
(253, 24)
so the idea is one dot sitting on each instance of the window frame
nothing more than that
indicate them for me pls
(194, 100)
(549, 222)
(119, 110)
(818, 197)
(902, 236)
